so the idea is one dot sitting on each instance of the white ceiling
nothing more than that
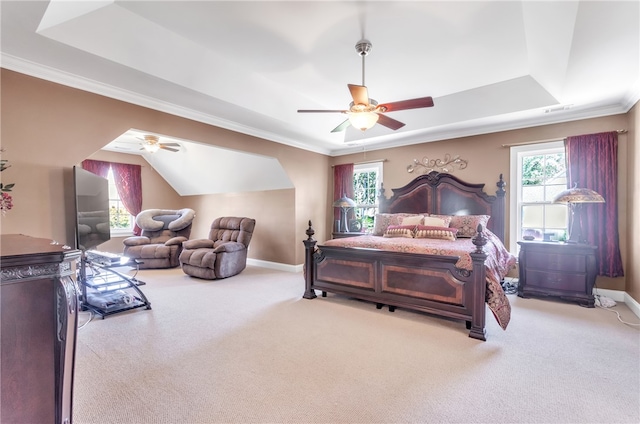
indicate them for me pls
(249, 66)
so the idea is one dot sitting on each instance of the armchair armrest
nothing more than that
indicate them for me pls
(197, 244)
(231, 246)
(175, 240)
(136, 241)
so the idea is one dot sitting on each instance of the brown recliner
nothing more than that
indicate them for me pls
(223, 254)
(160, 244)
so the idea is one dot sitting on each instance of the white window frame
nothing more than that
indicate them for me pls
(515, 194)
(118, 232)
(369, 167)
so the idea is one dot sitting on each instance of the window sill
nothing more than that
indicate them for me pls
(121, 233)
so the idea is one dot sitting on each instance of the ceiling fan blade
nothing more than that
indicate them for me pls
(171, 149)
(359, 93)
(170, 144)
(389, 122)
(320, 111)
(407, 104)
(342, 126)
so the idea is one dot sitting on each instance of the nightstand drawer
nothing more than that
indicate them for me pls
(556, 262)
(556, 280)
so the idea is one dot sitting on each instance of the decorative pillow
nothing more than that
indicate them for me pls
(467, 224)
(445, 218)
(411, 220)
(383, 220)
(400, 231)
(443, 233)
(431, 221)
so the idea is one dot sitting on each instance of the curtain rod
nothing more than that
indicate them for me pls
(365, 162)
(548, 140)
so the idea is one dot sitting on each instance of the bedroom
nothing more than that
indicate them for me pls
(76, 115)
(72, 125)
(78, 124)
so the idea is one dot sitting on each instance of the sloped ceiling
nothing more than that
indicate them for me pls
(249, 66)
(197, 168)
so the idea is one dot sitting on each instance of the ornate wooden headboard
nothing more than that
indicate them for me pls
(444, 194)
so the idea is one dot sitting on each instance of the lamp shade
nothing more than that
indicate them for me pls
(344, 202)
(578, 195)
(363, 120)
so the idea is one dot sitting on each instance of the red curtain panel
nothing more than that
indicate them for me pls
(592, 162)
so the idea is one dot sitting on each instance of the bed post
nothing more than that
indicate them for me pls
(309, 266)
(499, 209)
(479, 287)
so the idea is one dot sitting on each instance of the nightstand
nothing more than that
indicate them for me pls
(563, 270)
(343, 235)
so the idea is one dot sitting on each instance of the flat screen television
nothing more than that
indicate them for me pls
(92, 209)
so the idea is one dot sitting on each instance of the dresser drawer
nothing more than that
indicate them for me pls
(556, 280)
(556, 262)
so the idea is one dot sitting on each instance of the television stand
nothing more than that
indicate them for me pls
(105, 290)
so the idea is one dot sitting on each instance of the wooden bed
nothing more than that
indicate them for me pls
(422, 282)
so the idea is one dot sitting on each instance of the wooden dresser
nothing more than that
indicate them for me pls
(38, 311)
(563, 270)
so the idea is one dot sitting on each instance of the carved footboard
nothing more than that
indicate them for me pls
(426, 283)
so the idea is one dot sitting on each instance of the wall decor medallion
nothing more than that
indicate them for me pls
(447, 164)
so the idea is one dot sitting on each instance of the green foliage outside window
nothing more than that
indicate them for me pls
(365, 195)
(538, 170)
(119, 217)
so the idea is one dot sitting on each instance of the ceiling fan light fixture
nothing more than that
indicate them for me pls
(151, 147)
(363, 120)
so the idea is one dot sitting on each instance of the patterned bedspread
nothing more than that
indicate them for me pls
(499, 260)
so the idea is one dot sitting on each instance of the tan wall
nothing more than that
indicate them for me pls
(47, 128)
(632, 269)
(488, 159)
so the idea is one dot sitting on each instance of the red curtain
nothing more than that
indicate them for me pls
(592, 162)
(128, 179)
(98, 167)
(342, 186)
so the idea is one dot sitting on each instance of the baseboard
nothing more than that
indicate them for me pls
(274, 265)
(632, 304)
(620, 296)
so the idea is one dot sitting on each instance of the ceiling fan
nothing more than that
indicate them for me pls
(364, 112)
(151, 143)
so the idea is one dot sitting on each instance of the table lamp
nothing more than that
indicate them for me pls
(345, 204)
(576, 197)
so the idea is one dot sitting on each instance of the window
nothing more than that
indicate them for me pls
(366, 183)
(539, 174)
(120, 220)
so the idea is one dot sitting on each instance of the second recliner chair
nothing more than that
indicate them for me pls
(223, 254)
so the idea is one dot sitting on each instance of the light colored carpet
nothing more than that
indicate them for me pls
(249, 349)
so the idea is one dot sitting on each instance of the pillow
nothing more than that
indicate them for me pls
(383, 220)
(468, 224)
(411, 220)
(443, 233)
(445, 218)
(400, 231)
(431, 221)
